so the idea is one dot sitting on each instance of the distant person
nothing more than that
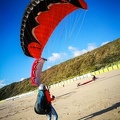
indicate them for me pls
(94, 77)
(43, 103)
(79, 84)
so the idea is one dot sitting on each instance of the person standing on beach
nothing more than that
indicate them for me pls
(49, 111)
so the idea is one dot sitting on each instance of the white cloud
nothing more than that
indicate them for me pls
(76, 52)
(56, 56)
(91, 46)
(2, 83)
(104, 43)
(22, 79)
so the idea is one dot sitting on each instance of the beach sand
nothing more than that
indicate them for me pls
(97, 100)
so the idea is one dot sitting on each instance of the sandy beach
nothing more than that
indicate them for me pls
(97, 100)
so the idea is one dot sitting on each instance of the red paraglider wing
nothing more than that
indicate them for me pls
(36, 71)
(39, 21)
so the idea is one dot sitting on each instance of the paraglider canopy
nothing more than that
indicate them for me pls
(36, 71)
(39, 21)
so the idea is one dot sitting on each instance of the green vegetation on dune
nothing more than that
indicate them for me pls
(91, 61)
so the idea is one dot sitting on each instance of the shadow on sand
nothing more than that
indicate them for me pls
(100, 112)
(69, 93)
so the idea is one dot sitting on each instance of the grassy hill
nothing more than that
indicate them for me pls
(88, 62)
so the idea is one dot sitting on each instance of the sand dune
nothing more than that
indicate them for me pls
(97, 100)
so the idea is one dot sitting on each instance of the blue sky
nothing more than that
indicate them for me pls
(100, 24)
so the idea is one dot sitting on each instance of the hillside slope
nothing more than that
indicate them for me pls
(88, 62)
